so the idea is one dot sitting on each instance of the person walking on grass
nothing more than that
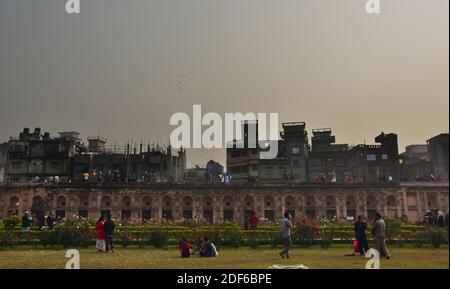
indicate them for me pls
(109, 228)
(360, 234)
(286, 226)
(379, 234)
(100, 234)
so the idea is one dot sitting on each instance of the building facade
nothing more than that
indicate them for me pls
(34, 156)
(438, 155)
(299, 162)
(376, 162)
(291, 160)
(327, 158)
(219, 203)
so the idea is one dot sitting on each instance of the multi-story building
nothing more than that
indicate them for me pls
(415, 164)
(295, 161)
(35, 155)
(154, 164)
(38, 155)
(438, 154)
(326, 158)
(416, 151)
(291, 160)
(376, 162)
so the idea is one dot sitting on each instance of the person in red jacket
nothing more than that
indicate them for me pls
(100, 234)
(253, 220)
(185, 248)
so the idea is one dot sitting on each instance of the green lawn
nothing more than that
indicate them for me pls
(245, 258)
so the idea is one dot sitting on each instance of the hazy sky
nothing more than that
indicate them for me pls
(121, 68)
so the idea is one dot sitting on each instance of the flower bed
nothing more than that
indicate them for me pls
(80, 232)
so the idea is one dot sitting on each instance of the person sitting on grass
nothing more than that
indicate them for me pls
(185, 248)
(209, 250)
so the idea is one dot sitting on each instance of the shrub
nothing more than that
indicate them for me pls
(419, 239)
(274, 239)
(11, 222)
(326, 236)
(306, 234)
(254, 239)
(436, 237)
(8, 239)
(158, 239)
(86, 239)
(124, 239)
(48, 238)
(232, 236)
(393, 228)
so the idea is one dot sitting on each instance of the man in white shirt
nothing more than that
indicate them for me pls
(286, 226)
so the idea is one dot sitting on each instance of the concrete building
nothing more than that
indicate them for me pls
(417, 151)
(219, 203)
(376, 162)
(33, 154)
(438, 155)
(415, 164)
(155, 164)
(326, 157)
(291, 160)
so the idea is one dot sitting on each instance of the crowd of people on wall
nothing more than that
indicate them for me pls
(151, 177)
(423, 179)
(116, 175)
(332, 178)
(224, 177)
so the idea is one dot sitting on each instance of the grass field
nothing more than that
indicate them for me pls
(229, 258)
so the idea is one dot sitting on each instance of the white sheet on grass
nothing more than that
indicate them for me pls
(301, 266)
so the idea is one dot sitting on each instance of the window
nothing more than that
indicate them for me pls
(295, 150)
(384, 156)
(371, 157)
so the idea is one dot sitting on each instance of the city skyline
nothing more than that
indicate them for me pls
(121, 70)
